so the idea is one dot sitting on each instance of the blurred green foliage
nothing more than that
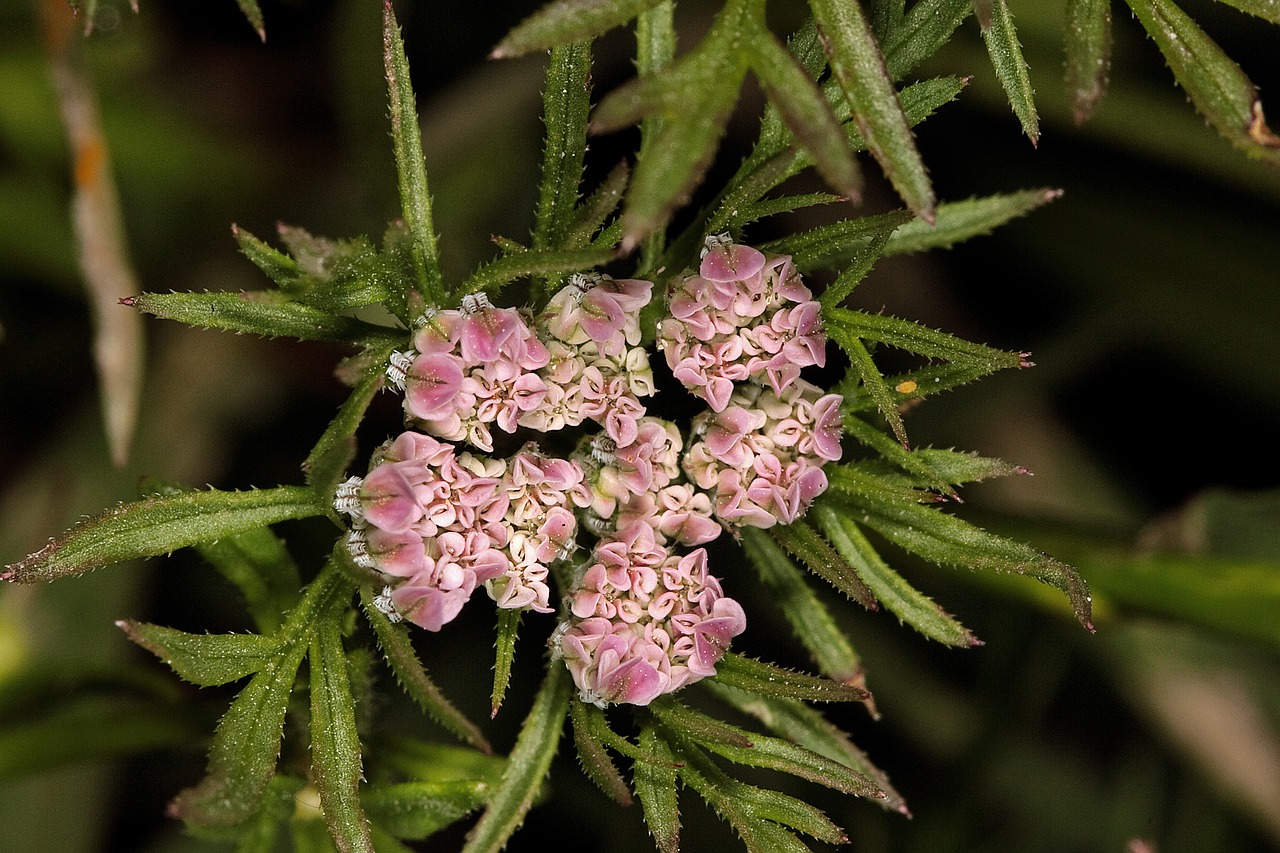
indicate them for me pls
(1147, 294)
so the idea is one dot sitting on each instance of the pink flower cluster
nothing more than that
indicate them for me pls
(762, 455)
(645, 621)
(743, 316)
(437, 524)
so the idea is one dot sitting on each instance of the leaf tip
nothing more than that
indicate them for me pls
(1258, 130)
(128, 301)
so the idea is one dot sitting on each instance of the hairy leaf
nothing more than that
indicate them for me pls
(922, 33)
(829, 245)
(417, 810)
(770, 680)
(258, 313)
(593, 756)
(508, 268)
(504, 656)
(656, 787)
(1088, 45)
(565, 21)
(1268, 10)
(158, 525)
(803, 542)
(326, 464)
(204, 659)
(873, 382)
(960, 220)
(1010, 66)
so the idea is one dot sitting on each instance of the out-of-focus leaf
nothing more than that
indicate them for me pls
(859, 67)
(770, 680)
(922, 32)
(158, 525)
(809, 617)
(898, 596)
(253, 12)
(1088, 44)
(527, 765)
(806, 544)
(432, 761)
(335, 743)
(258, 313)
(792, 91)
(260, 833)
(1010, 66)
(1216, 85)
(960, 220)
(242, 759)
(398, 650)
(567, 21)
(416, 810)
(656, 787)
(594, 758)
(533, 262)
(947, 540)
(204, 659)
(504, 656)
(415, 197)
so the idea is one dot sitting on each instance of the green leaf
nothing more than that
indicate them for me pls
(798, 722)
(566, 103)
(279, 267)
(415, 196)
(335, 743)
(326, 464)
(1010, 66)
(527, 766)
(252, 11)
(921, 340)
(1218, 88)
(397, 649)
(431, 761)
(594, 758)
(567, 21)
(793, 92)
(656, 787)
(204, 659)
(417, 810)
(770, 680)
(947, 540)
(242, 759)
(337, 275)
(598, 207)
(899, 597)
(860, 263)
(1088, 46)
(873, 382)
(158, 525)
(803, 542)
(772, 207)
(753, 749)
(922, 32)
(809, 617)
(1268, 10)
(508, 268)
(859, 68)
(960, 220)
(827, 246)
(258, 313)
(505, 655)
(260, 833)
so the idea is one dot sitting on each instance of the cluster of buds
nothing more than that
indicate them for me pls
(744, 316)
(437, 524)
(642, 617)
(645, 621)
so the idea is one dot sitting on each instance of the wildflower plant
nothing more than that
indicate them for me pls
(585, 414)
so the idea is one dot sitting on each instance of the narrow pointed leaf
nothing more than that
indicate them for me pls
(873, 382)
(810, 618)
(204, 659)
(1010, 67)
(656, 787)
(764, 751)
(899, 597)
(508, 268)
(527, 766)
(1216, 85)
(795, 95)
(911, 461)
(246, 745)
(257, 313)
(774, 206)
(860, 263)
(1087, 37)
(279, 267)
(565, 21)
(417, 810)
(158, 525)
(598, 207)
(947, 540)
(335, 743)
(1268, 10)
(504, 656)
(922, 32)
(326, 464)
(397, 648)
(922, 340)
(960, 220)
(594, 758)
(253, 12)
(859, 68)
(806, 544)
(770, 680)
(415, 196)
(792, 719)
(566, 103)
(830, 246)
